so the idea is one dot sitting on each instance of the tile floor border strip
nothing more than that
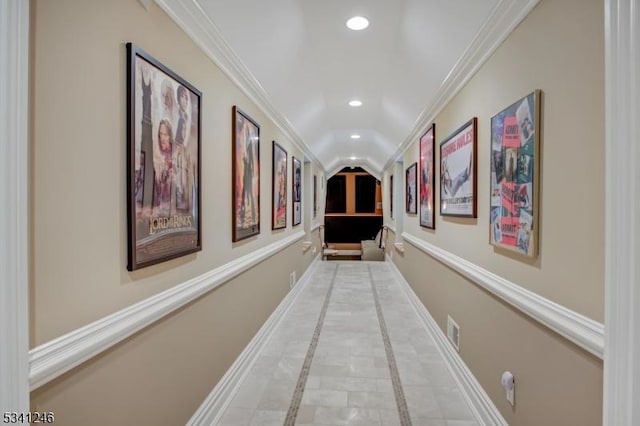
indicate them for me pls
(401, 402)
(296, 400)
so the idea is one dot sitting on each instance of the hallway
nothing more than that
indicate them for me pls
(171, 342)
(350, 351)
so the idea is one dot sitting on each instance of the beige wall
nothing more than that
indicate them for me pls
(558, 48)
(79, 242)
(162, 374)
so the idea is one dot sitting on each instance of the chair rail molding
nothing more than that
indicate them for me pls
(60, 355)
(14, 199)
(622, 213)
(583, 331)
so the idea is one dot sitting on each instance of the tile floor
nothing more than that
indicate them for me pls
(334, 325)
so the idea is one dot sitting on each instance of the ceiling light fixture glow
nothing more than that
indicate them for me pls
(355, 103)
(353, 157)
(357, 23)
(355, 136)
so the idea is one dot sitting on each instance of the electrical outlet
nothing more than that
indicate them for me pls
(292, 279)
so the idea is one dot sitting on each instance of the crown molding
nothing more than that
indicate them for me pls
(504, 18)
(192, 19)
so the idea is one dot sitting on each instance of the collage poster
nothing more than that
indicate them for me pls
(513, 154)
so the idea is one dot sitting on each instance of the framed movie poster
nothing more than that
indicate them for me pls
(515, 140)
(391, 196)
(245, 165)
(458, 183)
(163, 162)
(411, 181)
(279, 185)
(427, 174)
(315, 196)
(296, 188)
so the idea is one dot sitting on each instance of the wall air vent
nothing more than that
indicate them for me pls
(453, 333)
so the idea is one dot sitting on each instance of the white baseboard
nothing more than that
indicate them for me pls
(483, 408)
(213, 407)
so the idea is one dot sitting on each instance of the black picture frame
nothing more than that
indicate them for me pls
(411, 184)
(315, 196)
(296, 191)
(164, 116)
(245, 182)
(279, 187)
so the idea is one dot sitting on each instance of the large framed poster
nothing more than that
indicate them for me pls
(245, 164)
(163, 162)
(427, 175)
(411, 181)
(458, 182)
(514, 176)
(296, 189)
(279, 185)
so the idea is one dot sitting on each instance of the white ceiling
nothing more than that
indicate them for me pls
(310, 65)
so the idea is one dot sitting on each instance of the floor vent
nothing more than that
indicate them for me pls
(453, 333)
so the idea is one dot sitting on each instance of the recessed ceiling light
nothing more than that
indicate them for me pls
(357, 23)
(355, 136)
(355, 103)
(353, 157)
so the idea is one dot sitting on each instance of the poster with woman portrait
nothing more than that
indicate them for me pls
(427, 195)
(514, 175)
(279, 185)
(163, 177)
(296, 191)
(458, 181)
(245, 175)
